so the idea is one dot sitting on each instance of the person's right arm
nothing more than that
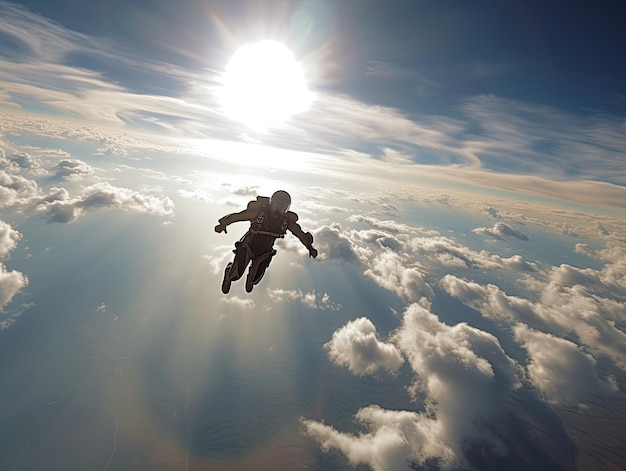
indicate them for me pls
(247, 214)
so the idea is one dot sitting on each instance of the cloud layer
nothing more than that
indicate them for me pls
(462, 374)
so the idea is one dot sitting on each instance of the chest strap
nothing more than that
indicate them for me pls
(273, 234)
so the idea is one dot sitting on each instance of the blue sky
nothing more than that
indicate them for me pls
(516, 88)
(553, 54)
(461, 166)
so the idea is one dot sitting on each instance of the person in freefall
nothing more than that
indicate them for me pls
(270, 219)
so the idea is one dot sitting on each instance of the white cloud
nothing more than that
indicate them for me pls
(396, 438)
(515, 129)
(390, 271)
(464, 374)
(22, 160)
(449, 253)
(11, 282)
(357, 346)
(536, 140)
(333, 245)
(16, 190)
(72, 169)
(9, 238)
(561, 310)
(392, 255)
(613, 274)
(379, 238)
(311, 299)
(41, 38)
(491, 211)
(393, 227)
(500, 230)
(59, 207)
(584, 248)
(559, 369)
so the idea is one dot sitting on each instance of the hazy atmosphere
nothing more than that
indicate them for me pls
(460, 166)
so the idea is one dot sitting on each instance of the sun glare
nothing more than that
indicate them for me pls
(263, 85)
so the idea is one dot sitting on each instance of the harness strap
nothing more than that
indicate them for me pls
(244, 241)
(273, 234)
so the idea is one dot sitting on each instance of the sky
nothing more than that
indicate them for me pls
(460, 166)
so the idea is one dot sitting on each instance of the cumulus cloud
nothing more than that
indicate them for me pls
(248, 191)
(491, 211)
(559, 369)
(464, 372)
(379, 238)
(59, 207)
(333, 245)
(449, 253)
(392, 255)
(560, 310)
(389, 270)
(585, 249)
(72, 169)
(311, 299)
(464, 375)
(394, 440)
(500, 231)
(393, 227)
(16, 190)
(9, 238)
(357, 346)
(613, 274)
(23, 160)
(568, 275)
(11, 282)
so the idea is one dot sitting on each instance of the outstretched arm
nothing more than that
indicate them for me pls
(305, 237)
(247, 214)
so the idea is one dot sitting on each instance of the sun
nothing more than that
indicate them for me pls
(263, 86)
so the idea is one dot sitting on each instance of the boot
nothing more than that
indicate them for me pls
(226, 282)
(249, 284)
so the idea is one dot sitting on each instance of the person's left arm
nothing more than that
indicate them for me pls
(305, 237)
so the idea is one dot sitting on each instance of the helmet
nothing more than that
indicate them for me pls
(280, 202)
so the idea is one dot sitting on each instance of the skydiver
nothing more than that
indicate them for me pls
(270, 219)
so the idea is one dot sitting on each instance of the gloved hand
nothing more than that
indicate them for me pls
(312, 252)
(221, 227)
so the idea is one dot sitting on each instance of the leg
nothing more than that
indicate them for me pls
(235, 269)
(257, 269)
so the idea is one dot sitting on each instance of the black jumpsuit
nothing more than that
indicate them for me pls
(257, 245)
